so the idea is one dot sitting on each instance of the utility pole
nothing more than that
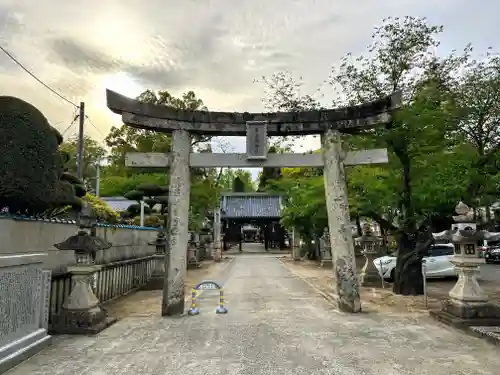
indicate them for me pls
(98, 179)
(79, 156)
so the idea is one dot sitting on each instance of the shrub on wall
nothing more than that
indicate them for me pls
(101, 209)
(32, 179)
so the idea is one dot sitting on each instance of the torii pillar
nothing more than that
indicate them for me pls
(256, 127)
(178, 219)
(345, 279)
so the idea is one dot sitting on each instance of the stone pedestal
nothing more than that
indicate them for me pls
(178, 202)
(296, 252)
(192, 254)
(158, 275)
(468, 304)
(326, 260)
(345, 277)
(80, 313)
(369, 274)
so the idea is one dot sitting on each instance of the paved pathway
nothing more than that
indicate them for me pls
(276, 325)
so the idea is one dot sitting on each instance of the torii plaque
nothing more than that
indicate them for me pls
(257, 140)
(256, 127)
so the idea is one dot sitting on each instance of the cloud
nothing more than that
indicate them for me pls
(214, 47)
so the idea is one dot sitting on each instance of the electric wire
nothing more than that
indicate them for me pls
(8, 54)
(35, 77)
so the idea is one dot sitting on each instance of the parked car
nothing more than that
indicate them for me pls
(491, 252)
(437, 262)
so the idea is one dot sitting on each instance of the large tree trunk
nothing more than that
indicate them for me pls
(412, 246)
(358, 226)
(408, 272)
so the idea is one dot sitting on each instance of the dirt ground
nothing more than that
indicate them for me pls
(383, 299)
(148, 302)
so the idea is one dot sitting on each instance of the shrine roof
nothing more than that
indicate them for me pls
(250, 205)
(166, 119)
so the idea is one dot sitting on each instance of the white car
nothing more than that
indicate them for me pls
(438, 263)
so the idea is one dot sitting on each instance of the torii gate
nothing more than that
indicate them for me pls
(257, 127)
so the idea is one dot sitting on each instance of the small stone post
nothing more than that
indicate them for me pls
(217, 246)
(370, 246)
(326, 249)
(178, 236)
(344, 264)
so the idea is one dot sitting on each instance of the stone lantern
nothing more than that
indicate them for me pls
(158, 275)
(192, 251)
(326, 249)
(80, 312)
(370, 247)
(468, 304)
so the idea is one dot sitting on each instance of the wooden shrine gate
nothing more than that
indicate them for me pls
(257, 127)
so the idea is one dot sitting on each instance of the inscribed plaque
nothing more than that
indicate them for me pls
(20, 301)
(257, 140)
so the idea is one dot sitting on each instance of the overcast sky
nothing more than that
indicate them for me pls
(214, 47)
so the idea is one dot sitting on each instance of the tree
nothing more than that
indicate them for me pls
(128, 139)
(155, 196)
(118, 186)
(402, 57)
(478, 97)
(225, 181)
(93, 154)
(238, 185)
(269, 173)
(31, 166)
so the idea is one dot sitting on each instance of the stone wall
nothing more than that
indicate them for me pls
(38, 236)
(34, 282)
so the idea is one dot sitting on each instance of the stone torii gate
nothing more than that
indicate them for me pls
(256, 127)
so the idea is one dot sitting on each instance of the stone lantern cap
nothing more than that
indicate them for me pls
(83, 242)
(461, 232)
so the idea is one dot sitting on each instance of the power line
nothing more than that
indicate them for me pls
(75, 117)
(51, 90)
(36, 78)
(95, 127)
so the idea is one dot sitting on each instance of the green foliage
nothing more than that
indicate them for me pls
(101, 209)
(238, 185)
(305, 208)
(134, 195)
(125, 139)
(93, 154)
(117, 186)
(268, 173)
(152, 190)
(443, 143)
(224, 179)
(135, 210)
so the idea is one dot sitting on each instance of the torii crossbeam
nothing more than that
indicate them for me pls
(257, 127)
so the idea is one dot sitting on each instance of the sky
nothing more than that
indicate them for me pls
(215, 47)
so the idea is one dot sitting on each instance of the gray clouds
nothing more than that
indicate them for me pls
(215, 47)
